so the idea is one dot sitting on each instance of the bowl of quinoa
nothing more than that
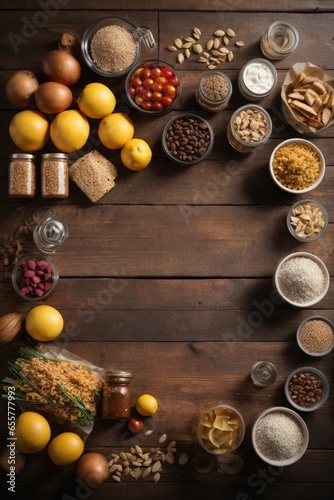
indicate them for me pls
(110, 46)
(279, 436)
(297, 166)
(315, 336)
(301, 279)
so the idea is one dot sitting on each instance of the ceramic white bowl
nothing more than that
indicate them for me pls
(322, 166)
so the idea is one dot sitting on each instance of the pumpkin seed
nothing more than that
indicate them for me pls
(209, 44)
(162, 438)
(219, 33)
(230, 32)
(148, 432)
(138, 449)
(146, 472)
(190, 39)
(187, 53)
(195, 35)
(183, 458)
(230, 56)
(180, 58)
(197, 31)
(226, 40)
(156, 466)
(178, 43)
(216, 43)
(171, 48)
(197, 48)
(169, 457)
(116, 478)
(211, 66)
(202, 59)
(240, 43)
(187, 45)
(224, 50)
(156, 477)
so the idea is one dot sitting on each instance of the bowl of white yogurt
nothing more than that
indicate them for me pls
(257, 79)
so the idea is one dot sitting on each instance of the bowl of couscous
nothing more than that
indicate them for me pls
(297, 166)
(111, 46)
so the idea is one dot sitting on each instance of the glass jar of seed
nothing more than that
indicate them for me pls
(250, 126)
(22, 175)
(116, 395)
(54, 175)
(214, 91)
(279, 40)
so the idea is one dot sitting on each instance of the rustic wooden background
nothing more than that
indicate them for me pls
(169, 274)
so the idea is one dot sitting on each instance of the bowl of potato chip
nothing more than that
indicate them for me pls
(219, 428)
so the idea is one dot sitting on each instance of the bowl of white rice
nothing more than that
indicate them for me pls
(111, 46)
(301, 279)
(279, 436)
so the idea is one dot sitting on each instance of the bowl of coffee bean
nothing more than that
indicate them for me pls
(306, 388)
(187, 139)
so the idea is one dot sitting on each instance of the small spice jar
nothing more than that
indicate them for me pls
(22, 175)
(54, 175)
(257, 79)
(116, 395)
(250, 126)
(214, 91)
(263, 374)
(279, 40)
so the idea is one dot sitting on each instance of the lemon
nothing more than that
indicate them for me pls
(44, 323)
(29, 130)
(65, 448)
(96, 100)
(146, 405)
(32, 432)
(69, 130)
(136, 154)
(115, 130)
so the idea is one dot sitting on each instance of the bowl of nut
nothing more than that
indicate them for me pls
(315, 336)
(306, 389)
(111, 46)
(279, 436)
(301, 279)
(35, 278)
(153, 87)
(307, 220)
(297, 166)
(218, 428)
(250, 126)
(187, 139)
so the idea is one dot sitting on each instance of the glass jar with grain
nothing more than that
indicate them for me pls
(22, 176)
(116, 395)
(214, 91)
(54, 175)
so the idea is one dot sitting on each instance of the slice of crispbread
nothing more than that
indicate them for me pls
(94, 175)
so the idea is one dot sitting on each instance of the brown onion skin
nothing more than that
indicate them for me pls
(53, 97)
(60, 66)
(93, 469)
(21, 87)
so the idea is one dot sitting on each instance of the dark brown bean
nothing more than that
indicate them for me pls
(187, 138)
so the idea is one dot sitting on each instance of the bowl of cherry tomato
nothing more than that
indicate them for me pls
(153, 87)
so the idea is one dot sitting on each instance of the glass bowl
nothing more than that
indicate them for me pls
(153, 87)
(269, 425)
(318, 154)
(315, 336)
(138, 33)
(294, 281)
(311, 393)
(307, 220)
(35, 278)
(219, 428)
(176, 143)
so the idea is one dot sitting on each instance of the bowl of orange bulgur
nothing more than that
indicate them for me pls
(297, 166)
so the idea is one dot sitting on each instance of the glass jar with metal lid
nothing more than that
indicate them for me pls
(250, 126)
(279, 40)
(214, 91)
(50, 232)
(54, 175)
(22, 175)
(263, 374)
(116, 395)
(257, 79)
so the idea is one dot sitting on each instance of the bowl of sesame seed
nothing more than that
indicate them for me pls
(279, 436)
(297, 166)
(301, 279)
(111, 46)
(315, 336)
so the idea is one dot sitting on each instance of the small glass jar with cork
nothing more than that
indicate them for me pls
(214, 91)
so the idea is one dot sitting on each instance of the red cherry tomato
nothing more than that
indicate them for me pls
(167, 73)
(157, 106)
(147, 94)
(145, 73)
(139, 100)
(156, 72)
(132, 91)
(169, 90)
(157, 87)
(135, 425)
(148, 83)
(162, 80)
(140, 90)
(166, 101)
(136, 81)
(147, 105)
(174, 81)
(157, 96)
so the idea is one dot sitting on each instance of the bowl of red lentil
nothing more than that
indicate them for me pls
(315, 336)
(306, 389)
(111, 46)
(297, 166)
(301, 279)
(280, 436)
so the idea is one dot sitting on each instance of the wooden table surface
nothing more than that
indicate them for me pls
(170, 274)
